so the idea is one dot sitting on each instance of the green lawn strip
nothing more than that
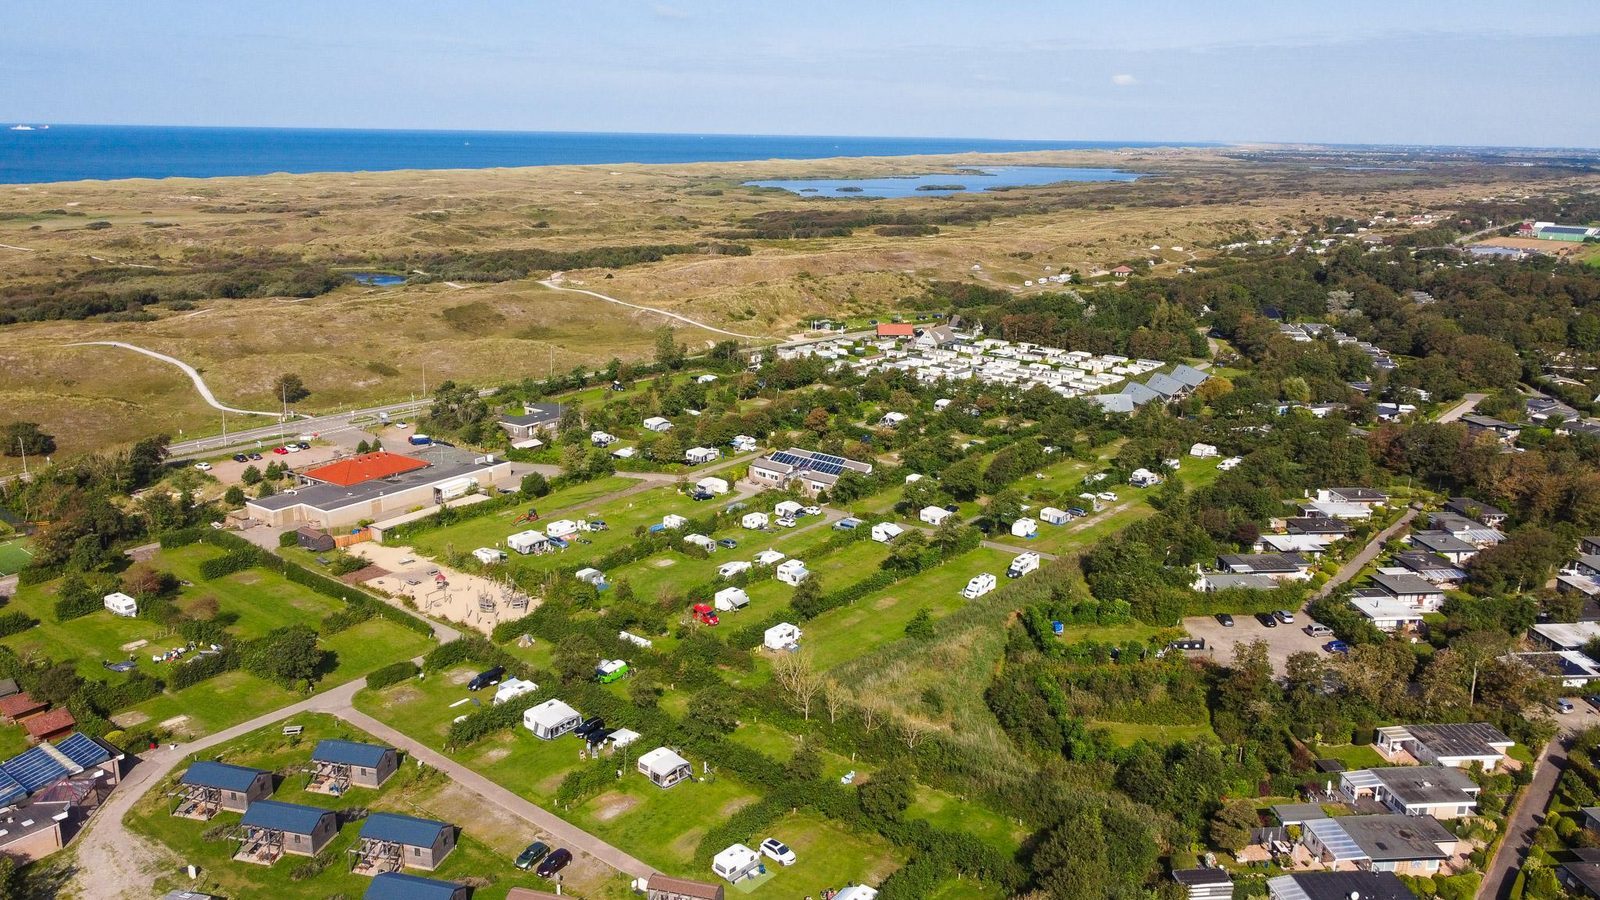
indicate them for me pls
(489, 530)
(827, 855)
(14, 555)
(951, 813)
(967, 889)
(1356, 756)
(1126, 733)
(410, 791)
(675, 573)
(880, 618)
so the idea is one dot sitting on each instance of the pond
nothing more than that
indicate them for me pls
(378, 279)
(962, 181)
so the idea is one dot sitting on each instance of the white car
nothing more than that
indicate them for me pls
(1107, 496)
(292, 447)
(401, 425)
(786, 522)
(812, 510)
(778, 851)
(203, 466)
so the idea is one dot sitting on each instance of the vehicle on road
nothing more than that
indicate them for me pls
(1267, 620)
(554, 863)
(530, 857)
(1225, 620)
(778, 851)
(203, 466)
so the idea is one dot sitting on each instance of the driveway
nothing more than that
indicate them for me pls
(1281, 641)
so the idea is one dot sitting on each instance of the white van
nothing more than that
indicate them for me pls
(979, 585)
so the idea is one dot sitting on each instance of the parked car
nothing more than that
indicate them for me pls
(1563, 705)
(554, 863)
(240, 457)
(727, 543)
(598, 525)
(589, 725)
(786, 522)
(952, 508)
(255, 456)
(1317, 629)
(486, 678)
(697, 496)
(1284, 616)
(1107, 496)
(203, 466)
(1225, 620)
(530, 857)
(812, 510)
(280, 450)
(1077, 512)
(304, 445)
(291, 448)
(778, 851)
(1267, 620)
(1336, 647)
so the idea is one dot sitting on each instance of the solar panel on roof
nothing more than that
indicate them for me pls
(829, 468)
(33, 769)
(830, 460)
(10, 790)
(787, 458)
(82, 749)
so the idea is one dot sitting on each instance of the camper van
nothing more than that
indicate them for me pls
(610, 670)
(980, 584)
(1022, 565)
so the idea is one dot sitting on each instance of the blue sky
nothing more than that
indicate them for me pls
(1400, 71)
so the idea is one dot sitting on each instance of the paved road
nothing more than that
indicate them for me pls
(1469, 402)
(1524, 820)
(554, 284)
(1353, 567)
(191, 371)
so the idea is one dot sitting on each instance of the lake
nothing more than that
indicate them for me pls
(378, 279)
(966, 181)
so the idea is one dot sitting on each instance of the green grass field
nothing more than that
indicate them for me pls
(1356, 756)
(259, 599)
(839, 635)
(14, 555)
(952, 813)
(1127, 734)
(412, 791)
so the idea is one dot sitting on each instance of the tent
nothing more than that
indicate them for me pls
(1024, 528)
(664, 767)
(884, 532)
(550, 719)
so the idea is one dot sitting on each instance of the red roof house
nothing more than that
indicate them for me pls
(47, 726)
(364, 467)
(20, 706)
(1122, 270)
(896, 330)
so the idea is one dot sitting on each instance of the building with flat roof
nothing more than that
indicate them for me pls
(1458, 745)
(1205, 884)
(807, 470)
(363, 467)
(1338, 886)
(1437, 791)
(326, 505)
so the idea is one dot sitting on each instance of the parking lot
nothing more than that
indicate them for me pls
(1281, 641)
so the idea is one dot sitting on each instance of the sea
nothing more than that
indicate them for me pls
(74, 152)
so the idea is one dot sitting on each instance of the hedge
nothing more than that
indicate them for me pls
(394, 673)
(15, 621)
(200, 668)
(228, 563)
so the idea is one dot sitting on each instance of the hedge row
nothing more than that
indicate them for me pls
(394, 673)
(200, 668)
(15, 621)
(228, 563)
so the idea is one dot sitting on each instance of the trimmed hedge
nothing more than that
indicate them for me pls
(394, 673)
(15, 621)
(229, 563)
(201, 668)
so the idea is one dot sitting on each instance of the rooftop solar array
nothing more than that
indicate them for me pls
(83, 750)
(10, 790)
(35, 768)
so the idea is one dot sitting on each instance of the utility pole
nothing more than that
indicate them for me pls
(24, 457)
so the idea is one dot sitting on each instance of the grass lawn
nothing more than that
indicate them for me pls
(1119, 634)
(412, 791)
(14, 555)
(967, 889)
(674, 573)
(622, 515)
(1127, 734)
(952, 813)
(842, 634)
(1353, 755)
(258, 600)
(827, 855)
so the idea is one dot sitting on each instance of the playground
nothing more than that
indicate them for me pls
(475, 601)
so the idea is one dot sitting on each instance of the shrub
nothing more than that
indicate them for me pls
(394, 673)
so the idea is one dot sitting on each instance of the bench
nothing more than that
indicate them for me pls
(293, 730)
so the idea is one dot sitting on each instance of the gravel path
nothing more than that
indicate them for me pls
(554, 284)
(191, 371)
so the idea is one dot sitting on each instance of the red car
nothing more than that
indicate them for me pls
(281, 450)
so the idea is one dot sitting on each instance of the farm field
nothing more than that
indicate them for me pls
(480, 853)
(255, 600)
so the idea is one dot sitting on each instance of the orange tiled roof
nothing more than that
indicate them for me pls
(49, 723)
(366, 467)
(896, 329)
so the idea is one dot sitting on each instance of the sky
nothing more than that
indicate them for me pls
(1457, 72)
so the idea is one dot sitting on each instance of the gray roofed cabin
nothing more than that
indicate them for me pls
(271, 828)
(208, 788)
(338, 765)
(390, 842)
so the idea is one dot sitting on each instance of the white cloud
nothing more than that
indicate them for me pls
(1124, 80)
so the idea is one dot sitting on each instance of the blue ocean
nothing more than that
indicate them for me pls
(73, 152)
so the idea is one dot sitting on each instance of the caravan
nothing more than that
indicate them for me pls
(979, 585)
(1023, 564)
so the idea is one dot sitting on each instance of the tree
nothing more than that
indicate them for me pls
(289, 388)
(535, 485)
(25, 439)
(251, 475)
(233, 496)
(714, 709)
(807, 597)
(921, 626)
(1005, 507)
(575, 658)
(963, 480)
(799, 679)
(1230, 827)
(265, 490)
(888, 794)
(669, 353)
(287, 655)
(363, 447)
